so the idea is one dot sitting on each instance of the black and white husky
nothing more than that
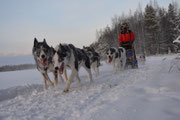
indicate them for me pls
(94, 59)
(117, 56)
(43, 55)
(68, 56)
(142, 58)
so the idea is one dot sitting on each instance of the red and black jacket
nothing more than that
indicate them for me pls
(126, 37)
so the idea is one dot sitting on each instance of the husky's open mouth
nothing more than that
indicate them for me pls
(110, 59)
(61, 68)
(43, 62)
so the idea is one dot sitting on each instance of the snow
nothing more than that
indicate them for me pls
(148, 93)
(19, 78)
(177, 40)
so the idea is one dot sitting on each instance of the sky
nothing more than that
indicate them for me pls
(58, 21)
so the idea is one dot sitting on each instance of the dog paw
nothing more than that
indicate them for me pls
(51, 84)
(66, 91)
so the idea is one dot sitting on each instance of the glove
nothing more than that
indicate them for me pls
(131, 42)
(120, 44)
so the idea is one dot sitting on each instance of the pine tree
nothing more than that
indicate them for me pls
(178, 23)
(178, 31)
(151, 26)
(163, 41)
(171, 29)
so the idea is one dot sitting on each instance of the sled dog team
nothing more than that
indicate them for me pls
(66, 56)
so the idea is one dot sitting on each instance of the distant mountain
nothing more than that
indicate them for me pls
(16, 60)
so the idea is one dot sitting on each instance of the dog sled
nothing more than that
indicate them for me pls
(131, 60)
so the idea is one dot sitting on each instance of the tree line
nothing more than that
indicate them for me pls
(17, 67)
(155, 29)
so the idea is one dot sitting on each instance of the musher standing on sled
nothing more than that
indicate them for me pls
(126, 40)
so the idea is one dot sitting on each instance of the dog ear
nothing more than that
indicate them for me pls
(44, 41)
(53, 50)
(84, 47)
(61, 46)
(35, 42)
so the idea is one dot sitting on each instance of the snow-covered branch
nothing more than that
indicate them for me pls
(177, 40)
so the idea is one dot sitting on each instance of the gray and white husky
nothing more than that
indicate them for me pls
(141, 58)
(43, 55)
(117, 56)
(94, 59)
(68, 56)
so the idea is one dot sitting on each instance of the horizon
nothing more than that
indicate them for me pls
(57, 21)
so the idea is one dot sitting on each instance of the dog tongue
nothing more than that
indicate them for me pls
(110, 60)
(61, 68)
(43, 62)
